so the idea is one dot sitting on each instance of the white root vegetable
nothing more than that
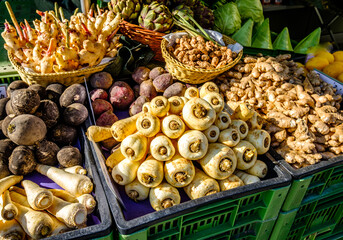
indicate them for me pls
(193, 145)
(255, 122)
(75, 184)
(162, 148)
(215, 100)
(146, 108)
(125, 172)
(19, 198)
(246, 178)
(212, 133)
(36, 224)
(148, 125)
(9, 211)
(191, 92)
(115, 157)
(150, 172)
(223, 120)
(184, 99)
(260, 139)
(72, 214)
(230, 137)
(208, 87)
(58, 227)
(244, 111)
(164, 196)
(137, 191)
(198, 114)
(159, 106)
(246, 155)
(38, 198)
(219, 162)
(76, 170)
(179, 172)
(231, 182)
(202, 185)
(176, 105)
(241, 127)
(260, 169)
(7, 182)
(18, 190)
(173, 126)
(124, 127)
(11, 230)
(134, 146)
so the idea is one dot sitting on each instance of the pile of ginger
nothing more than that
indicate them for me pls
(301, 112)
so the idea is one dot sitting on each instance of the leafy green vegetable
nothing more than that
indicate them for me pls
(283, 41)
(310, 41)
(227, 19)
(244, 35)
(250, 9)
(262, 38)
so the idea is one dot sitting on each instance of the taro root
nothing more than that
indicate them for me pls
(140, 74)
(100, 106)
(136, 106)
(106, 119)
(22, 161)
(98, 94)
(6, 148)
(48, 111)
(39, 89)
(25, 101)
(54, 91)
(16, 85)
(69, 156)
(102, 80)
(148, 90)
(26, 130)
(3, 102)
(176, 89)
(121, 95)
(63, 134)
(75, 93)
(5, 124)
(8, 108)
(75, 114)
(136, 90)
(46, 152)
(155, 72)
(162, 82)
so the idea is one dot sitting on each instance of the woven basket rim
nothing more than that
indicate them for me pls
(199, 70)
(141, 29)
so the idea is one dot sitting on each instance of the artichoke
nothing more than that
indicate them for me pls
(183, 11)
(203, 15)
(156, 17)
(129, 9)
(165, 2)
(185, 2)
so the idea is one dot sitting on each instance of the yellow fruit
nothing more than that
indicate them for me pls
(338, 56)
(326, 55)
(340, 77)
(317, 62)
(334, 69)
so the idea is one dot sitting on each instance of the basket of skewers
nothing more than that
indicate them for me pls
(60, 50)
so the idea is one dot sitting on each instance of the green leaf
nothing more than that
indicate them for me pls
(310, 41)
(262, 38)
(283, 41)
(250, 9)
(227, 19)
(244, 35)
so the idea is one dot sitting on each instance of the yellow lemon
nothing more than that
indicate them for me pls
(317, 62)
(338, 56)
(334, 69)
(326, 55)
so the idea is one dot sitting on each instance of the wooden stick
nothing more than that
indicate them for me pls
(14, 20)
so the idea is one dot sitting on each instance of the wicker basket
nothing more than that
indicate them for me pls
(65, 78)
(193, 75)
(145, 36)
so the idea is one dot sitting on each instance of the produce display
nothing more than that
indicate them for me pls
(38, 129)
(302, 111)
(188, 143)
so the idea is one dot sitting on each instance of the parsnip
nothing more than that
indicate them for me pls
(208, 87)
(159, 106)
(219, 162)
(7, 182)
(72, 214)
(231, 182)
(161, 148)
(11, 230)
(230, 137)
(164, 196)
(241, 127)
(125, 172)
(146, 108)
(150, 172)
(19, 198)
(173, 126)
(98, 133)
(193, 145)
(38, 198)
(202, 185)
(134, 146)
(36, 224)
(259, 169)
(176, 105)
(184, 99)
(215, 100)
(260, 139)
(223, 120)
(244, 112)
(148, 125)
(246, 178)
(125, 127)
(191, 92)
(255, 122)
(75, 184)
(58, 227)
(18, 190)
(63, 194)
(198, 114)
(178, 171)
(246, 155)
(9, 211)
(115, 157)
(76, 169)
(137, 191)
(212, 133)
